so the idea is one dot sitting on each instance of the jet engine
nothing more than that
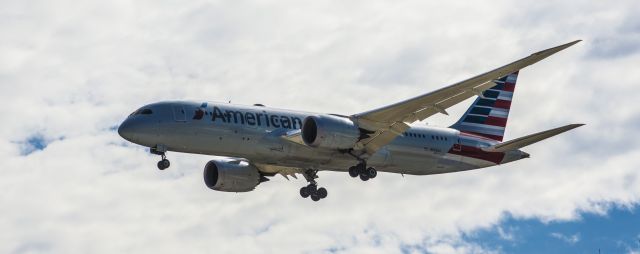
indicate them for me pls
(231, 176)
(329, 131)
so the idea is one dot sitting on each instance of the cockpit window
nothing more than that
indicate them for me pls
(142, 111)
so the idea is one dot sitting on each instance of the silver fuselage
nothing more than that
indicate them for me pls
(255, 133)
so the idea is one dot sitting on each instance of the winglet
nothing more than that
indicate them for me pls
(530, 139)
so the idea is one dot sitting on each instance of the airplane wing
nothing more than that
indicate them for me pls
(529, 139)
(390, 121)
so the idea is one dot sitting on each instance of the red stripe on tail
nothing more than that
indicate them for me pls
(502, 104)
(496, 121)
(509, 87)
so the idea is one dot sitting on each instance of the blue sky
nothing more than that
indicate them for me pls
(71, 71)
(617, 231)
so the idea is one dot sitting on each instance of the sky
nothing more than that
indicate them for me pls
(71, 71)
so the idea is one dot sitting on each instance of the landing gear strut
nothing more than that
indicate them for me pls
(161, 150)
(362, 171)
(312, 189)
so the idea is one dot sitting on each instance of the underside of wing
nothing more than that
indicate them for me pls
(391, 121)
(285, 172)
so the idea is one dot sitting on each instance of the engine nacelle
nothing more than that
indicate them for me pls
(329, 131)
(236, 176)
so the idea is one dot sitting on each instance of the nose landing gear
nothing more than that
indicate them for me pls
(161, 150)
(164, 163)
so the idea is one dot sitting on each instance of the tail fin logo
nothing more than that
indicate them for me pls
(487, 116)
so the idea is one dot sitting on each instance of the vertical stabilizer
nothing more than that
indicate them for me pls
(487, 116)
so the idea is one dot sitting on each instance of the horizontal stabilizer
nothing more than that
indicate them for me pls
(529, 139)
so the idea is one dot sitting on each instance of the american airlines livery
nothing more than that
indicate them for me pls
(260, 142)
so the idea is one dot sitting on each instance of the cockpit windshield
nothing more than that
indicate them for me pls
(142, 111)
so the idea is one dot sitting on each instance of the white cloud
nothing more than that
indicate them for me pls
(570, 239)
(75, 70)
(506, 234)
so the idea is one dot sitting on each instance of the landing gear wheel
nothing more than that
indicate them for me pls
(364, 177)
(371, 173)
(304, 193)
(161, 150)
(312, 189)
(322, 192)
(353, 172)
(163, 164)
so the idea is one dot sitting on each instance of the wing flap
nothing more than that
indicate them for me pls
(384, 134)
(529, 139)
(283, 171)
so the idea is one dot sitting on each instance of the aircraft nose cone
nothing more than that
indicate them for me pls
(126, 131)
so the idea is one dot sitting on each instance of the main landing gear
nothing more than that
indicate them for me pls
(161, 150)
(362, 171)
(312, 189)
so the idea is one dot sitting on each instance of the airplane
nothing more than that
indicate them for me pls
(258, 142)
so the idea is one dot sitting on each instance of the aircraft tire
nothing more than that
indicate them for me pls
(312, 189)
(304, 192)
(353, 172)
(372, 173)
(364, 177)
(322, 192)
(164, 164)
